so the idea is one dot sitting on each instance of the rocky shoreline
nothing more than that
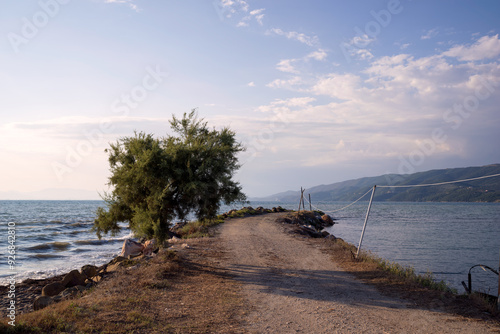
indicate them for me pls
(35, 294)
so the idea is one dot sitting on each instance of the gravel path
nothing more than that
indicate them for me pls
(293, 287)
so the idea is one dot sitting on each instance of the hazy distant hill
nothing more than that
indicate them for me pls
(485, 190)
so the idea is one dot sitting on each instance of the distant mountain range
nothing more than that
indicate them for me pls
(484, 190)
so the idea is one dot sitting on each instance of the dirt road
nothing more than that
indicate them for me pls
(293, 287)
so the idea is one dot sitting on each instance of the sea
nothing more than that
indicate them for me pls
(445, 239)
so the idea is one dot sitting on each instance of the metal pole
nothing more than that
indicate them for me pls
(310, 204)
(366, 220)
(498, 297)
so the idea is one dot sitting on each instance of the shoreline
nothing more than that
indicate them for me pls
(187, 256)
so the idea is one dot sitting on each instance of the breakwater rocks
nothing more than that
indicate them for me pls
(36, 294)
(309, 223)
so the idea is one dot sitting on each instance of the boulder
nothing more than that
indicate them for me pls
(149, 247)
(41, 302)
(114, 264)
(96, 278)
(53, 289)
(71, 292)
(73, 278)
(89, 270)
(328, 220)
(131, 247)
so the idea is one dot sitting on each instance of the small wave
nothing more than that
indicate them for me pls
(46, 256)
(98, 242)
(81, 224)
(57, 246)
(80, 250)
(91, 242)
(69, 232)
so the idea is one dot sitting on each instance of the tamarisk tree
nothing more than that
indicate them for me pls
(157, 180)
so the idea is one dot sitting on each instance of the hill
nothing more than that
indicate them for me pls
(484, 190)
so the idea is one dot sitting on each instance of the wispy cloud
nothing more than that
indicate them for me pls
(317, 55)
(430, 34)
(392, 106)
(293, 35)
(487, 47)
(285, 83)
(286, 65)
(358, 47)
(129, 3)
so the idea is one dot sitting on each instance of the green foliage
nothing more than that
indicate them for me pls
(156, 180)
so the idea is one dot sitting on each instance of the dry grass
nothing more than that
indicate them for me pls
(170, 293)
(393, 279)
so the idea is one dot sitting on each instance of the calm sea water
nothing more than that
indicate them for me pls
(443, 238)
(53, 237)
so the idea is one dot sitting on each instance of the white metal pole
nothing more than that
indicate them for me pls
(366, 220)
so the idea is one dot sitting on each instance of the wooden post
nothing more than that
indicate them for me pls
(366, 220)
(310, 204)
(302, 199)
(301, 194)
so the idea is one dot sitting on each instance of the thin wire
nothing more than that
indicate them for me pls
(440, 183)
(345, 207)
(405, 186)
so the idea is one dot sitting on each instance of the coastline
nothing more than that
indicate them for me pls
(192, 255)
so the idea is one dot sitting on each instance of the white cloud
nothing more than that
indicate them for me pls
(303, 38)
(391, 108)
(487, 47)
(282, 83)
(362, 41)
(363, 54)
(234, 6)
(404, 46)
(251, 84)
(286, 65)
(129, 3)
(357, 47)
(257, 13)
(317, 55)
(341, 86)
(430, 34)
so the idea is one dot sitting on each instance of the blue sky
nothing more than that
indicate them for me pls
(318, 91)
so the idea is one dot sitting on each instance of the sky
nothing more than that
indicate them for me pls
(317, 91)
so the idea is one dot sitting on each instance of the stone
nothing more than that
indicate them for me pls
(97, 278)
(328, 220)
(131, 247)
(73, 278)
(89, 270)
(53, 289)
(41, 302)
(114, 264)
(149, 247)
(117, 259)
(71, 292)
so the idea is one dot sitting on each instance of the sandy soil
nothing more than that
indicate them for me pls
(292, 286)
